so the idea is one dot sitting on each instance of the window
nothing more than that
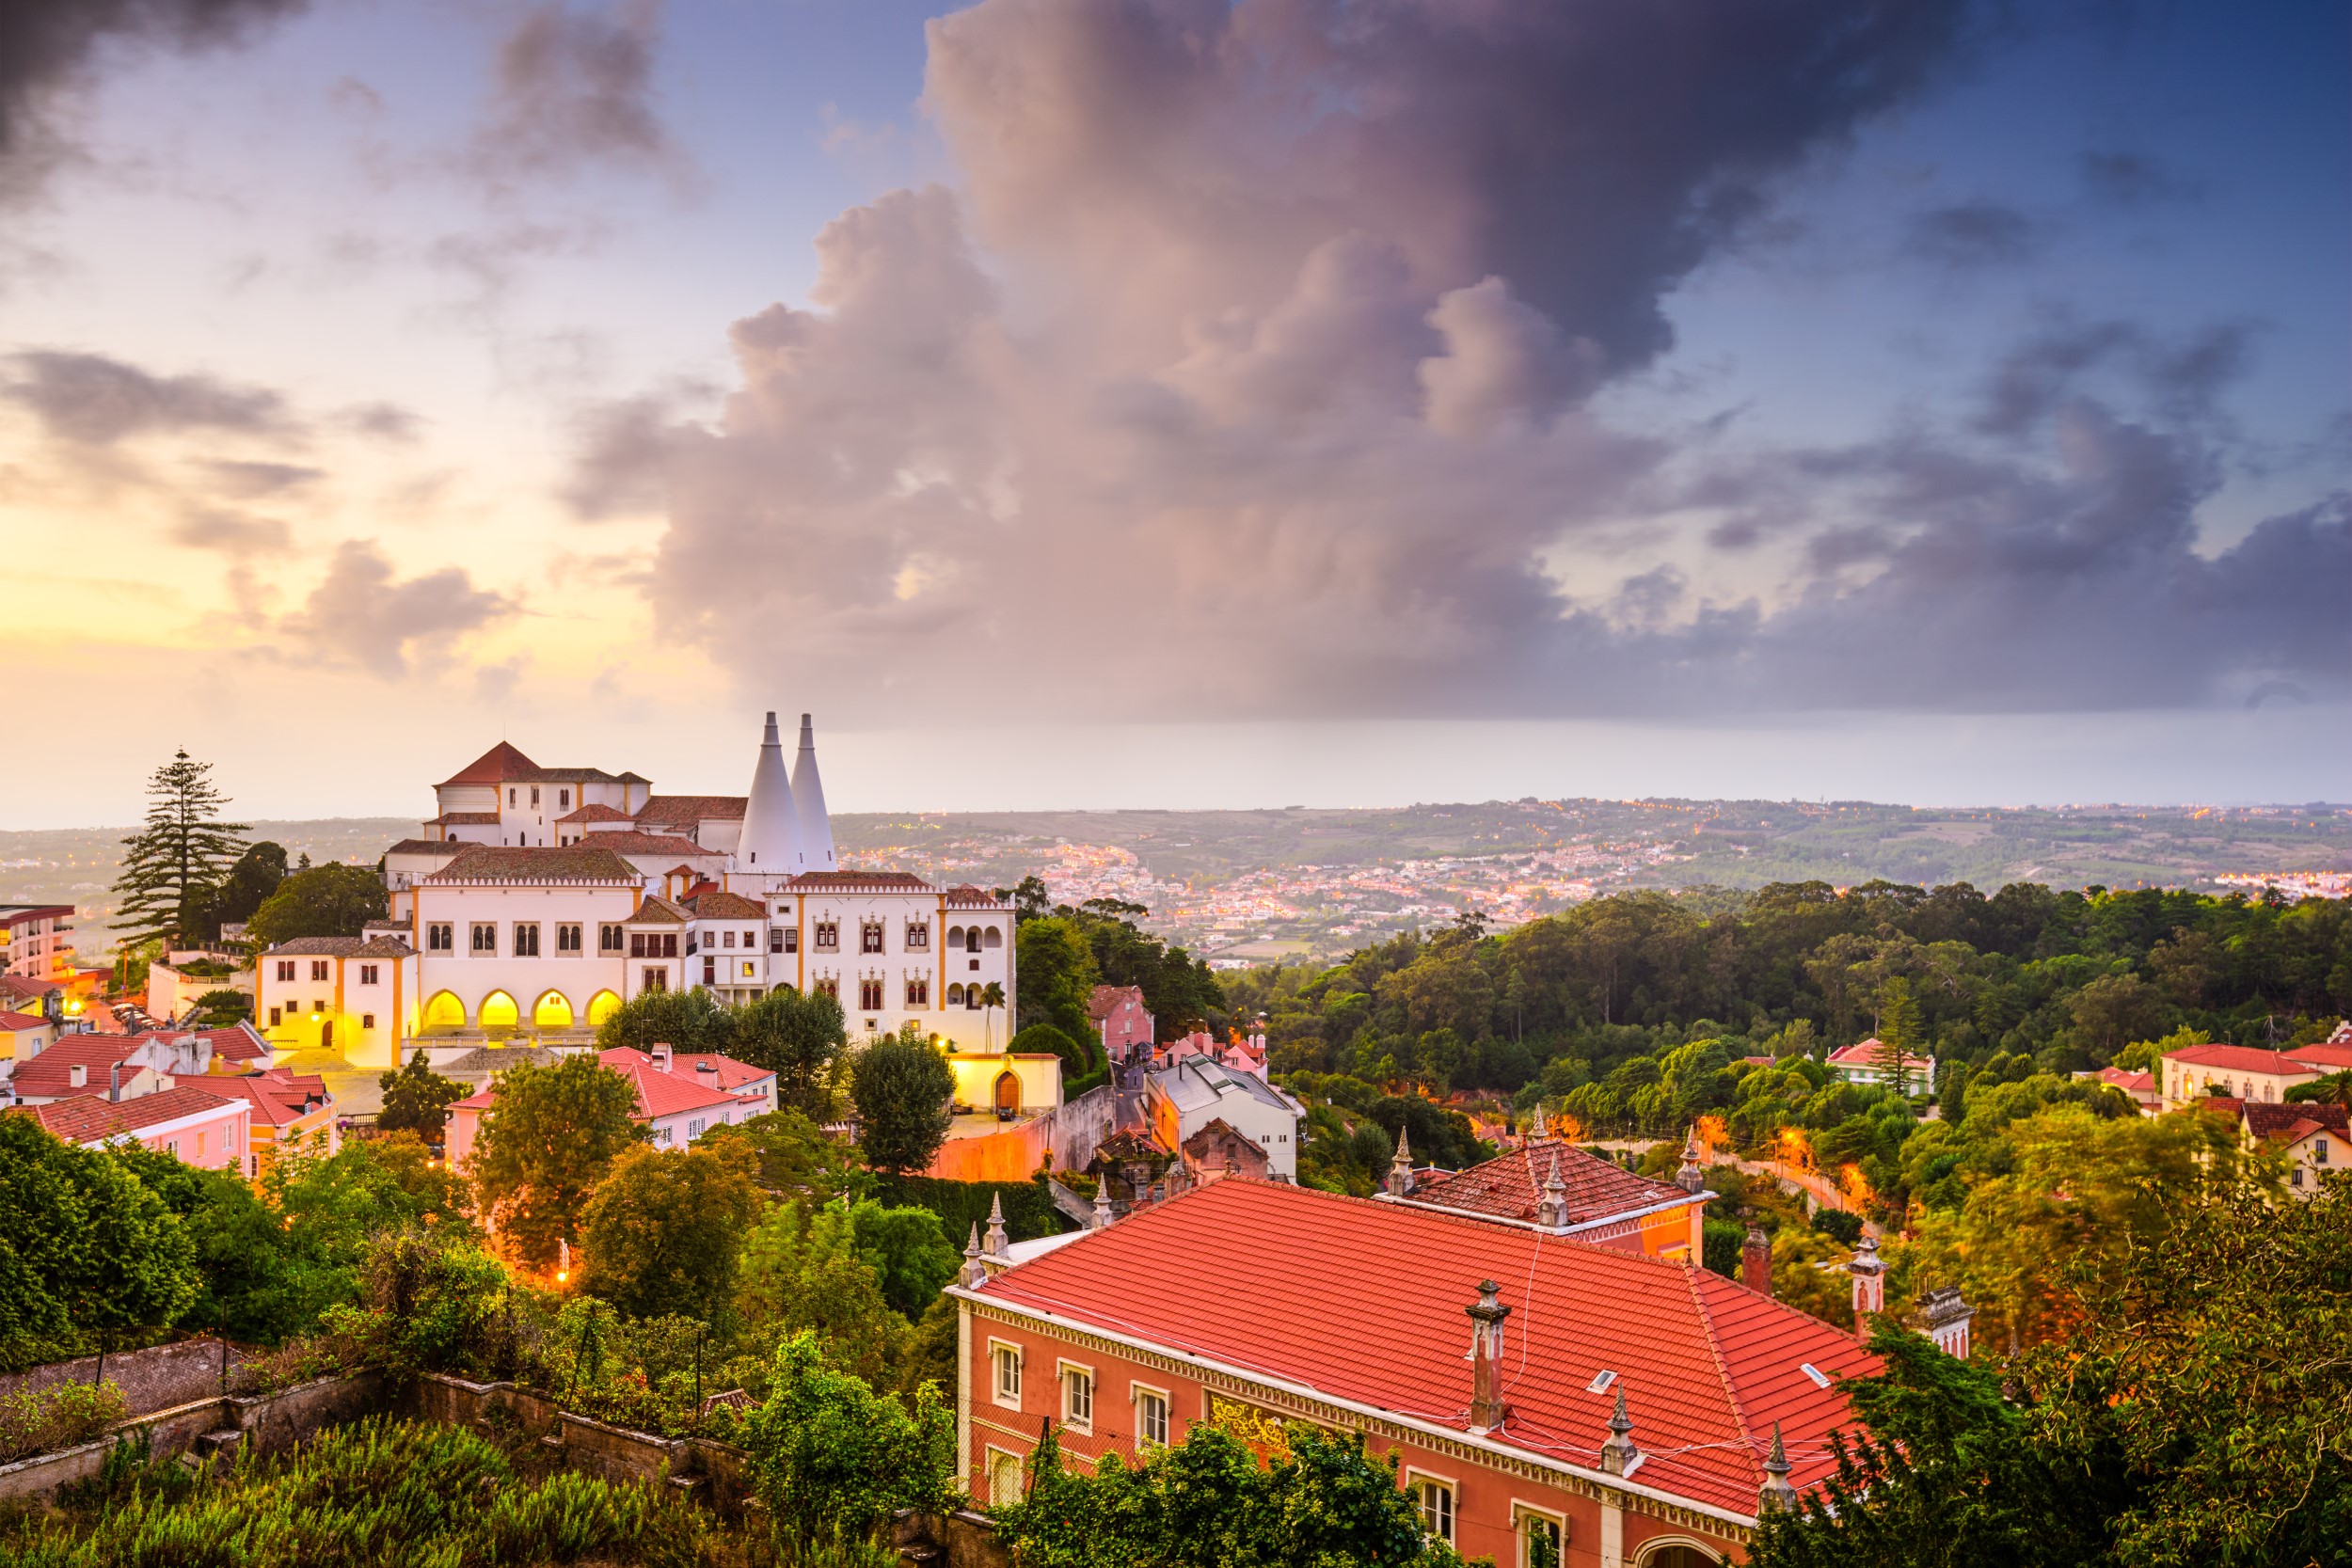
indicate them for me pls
(510, 797)
(562, 799)
(568, 938)
(870, 997)
(791, 939)
(971, 940)
(526, 939)
(367, 975)
(2295, 1176)
(637, 945)
(1077, 1398)
(657, 979)
(750, 972)
(1541, 1538)
(775, 939)
(2319, 1152)
(993, 939)
(607, 939)
(1007, 1360)
(711, 972)
(828, 987)
(726, 939)
(694, 1128)
(669, 945)
(869, 935)
(918, 936)
(1003, 1479)
(318, 970)
(438, 938)
(1435, 1499)
(828, 936)
(955, 996)
(976, 964)
(485, 939)
(918, 992)
(272, 1017)
(750, 939)
(972, 995)
(285, 968)
(662, 1134)
(1151, 1416)
(367, 1020)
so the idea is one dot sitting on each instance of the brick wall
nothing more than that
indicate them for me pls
(156, 1378)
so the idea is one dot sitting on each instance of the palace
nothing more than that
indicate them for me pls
(539, 899)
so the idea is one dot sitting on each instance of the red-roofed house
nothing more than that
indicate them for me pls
(1592, 1200)
(2237, 1072)
(1866, 1063)
(23, 1037)
(2141, 1087)
(288, 1110)
(677, 1102)
(1624, 1407)
(1121, 1020)
(194, 1126)
(122, 1066)
(2331, 1055)
(2315, 1139)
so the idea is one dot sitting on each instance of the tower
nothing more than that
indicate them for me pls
(808, 792)
(770, 845)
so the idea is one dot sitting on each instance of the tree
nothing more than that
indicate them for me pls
(172, 865)
(802, 1039)
(991, 998)
(2333, 1089)
(1044, 1039)
(249, 882)
(220, 1009)
(322, 901)
(801, 1271)
(797, 1158)
(416, 1100)
(903, 1089)
(687, 1020)
(1058, 975)
(551, 1136)
(834, 1460)
(909, 1251)
(1900, 1037)
(664, 1231)
(88, 1252)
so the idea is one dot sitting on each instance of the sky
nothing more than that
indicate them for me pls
(1180, 403)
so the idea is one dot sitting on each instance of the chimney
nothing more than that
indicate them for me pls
(77, 1076)
(1775, 1494)
(114, 1082)
(707, 1073)
(661, 1054)
(1756, 1260)
(1691, 1178)
(1486, 1411)
(1618, 1456)
(1947, 1320)
(1551, 1211)
(1869, 1283)
(1401, 1167)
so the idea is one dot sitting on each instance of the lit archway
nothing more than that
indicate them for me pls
(445, 1011)
(601, 1006)
(1007, 1092)
(552, 1011)
(498, 1011)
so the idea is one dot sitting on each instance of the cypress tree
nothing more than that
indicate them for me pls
(173, 865)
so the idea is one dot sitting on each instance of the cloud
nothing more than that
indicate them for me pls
(576, 87)
(1249, 369)
(248, 480)
(92, 400)
(1974, 234)
(2124, 178)
(385, 421)
(233, 534)
(359, 615)
(47, 46)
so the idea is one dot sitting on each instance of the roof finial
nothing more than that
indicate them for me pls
(1869, 1272)
(1618, 1456)
(973, 1273)
(1776, 1492)
(994, 1244)
(1103, 1215)
(1401, 1167)
(1551, 1210)
(1691, 1178)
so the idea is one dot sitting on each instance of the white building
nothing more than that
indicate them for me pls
(1185, 1098)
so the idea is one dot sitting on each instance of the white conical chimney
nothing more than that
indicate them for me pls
(808, 790)
(771, 825)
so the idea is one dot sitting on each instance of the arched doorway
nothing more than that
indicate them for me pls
(601, 1006)
(445, 1011)
(552, 1011)
(1676, 1554)
(1008, 1096)
(498, 1011)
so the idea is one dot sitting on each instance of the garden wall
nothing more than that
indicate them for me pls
(271, 1422)
(156, 1378)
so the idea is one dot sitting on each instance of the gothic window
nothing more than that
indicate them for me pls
(526, 939)
(485, 939)
(870, 997)
(955, 996)
(831, 987)
(918, 936)
(828, 936)
(568, 938)
(437, 939)
(918, 992)
(869, 935)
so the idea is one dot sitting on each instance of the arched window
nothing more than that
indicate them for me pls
(972, 995)
(498, 1011)
(955, 996)
(445, 1011)
(601, 1006)
(552, 1011)
(971, 940)
(994, 938)
(955, 938)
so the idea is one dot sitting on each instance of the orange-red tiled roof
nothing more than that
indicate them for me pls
(14, 1021)
(93, 1120)
(2239, 1058)
(2293, 1123)
(47, 1073)
(595, 813)
(495, 766)
(1363, 1302)
(633, 843)
(857, 881)
(1104, 1000)
(719, 905)
(1510, 1186)
(689, 811)
(658, 1093)
(2326, 1058)
(572, 863)
(732, 1073)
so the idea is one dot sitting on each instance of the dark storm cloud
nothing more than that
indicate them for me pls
(46, 45)
(1973, 234)
(358, 614)
(93, 400)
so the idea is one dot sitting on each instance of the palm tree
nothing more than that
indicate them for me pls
(2334, 1089)
(991, 998)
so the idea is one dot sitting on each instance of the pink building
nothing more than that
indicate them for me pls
(35, 941)
(193, 1125)
(1121, 1020)
(679, 1097)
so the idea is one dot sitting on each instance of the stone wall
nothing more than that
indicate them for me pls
(156, 1378)
(272, 1423)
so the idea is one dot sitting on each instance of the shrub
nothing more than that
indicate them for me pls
(40, 1420)
(1838, 1226)
(835, 1459)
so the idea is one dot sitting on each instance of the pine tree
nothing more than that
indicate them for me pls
(174, 864)
(1898, 1034)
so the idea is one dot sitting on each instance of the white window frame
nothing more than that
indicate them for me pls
(991, 1454)
(1136, 1394)
(997, 1349)
(1415, 1480)
(1065, 1376)
(1523, 1513)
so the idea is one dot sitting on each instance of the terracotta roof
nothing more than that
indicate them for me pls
(2293, 1123)
(572, 863)
(2326, 1058)
(1104, 1000)
(464, 819)
(234, 1042)
(13, 1022)
(658, 1093)
(2129, 1081)
(46, 1074)
(645, 844)
(1363, 1302)
(595, 813)
(857, 881)
(27, 989)
(689, 811)
(732, 1073)
(90, 1120)
(495, 766)
(1509, 1187)
(963, 895)
(719, 905)
(567, 775)
(277, 1098)
(2238, 1058)
(425, 845)
(1866, 1053)
(656, 910)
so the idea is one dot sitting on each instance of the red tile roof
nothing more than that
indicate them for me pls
(2326, 1058)
(732, 1074)
(1866, 1053)
(13, 1022)
(2126, 1080)
(1363, 1302)
(90, 1120)
(2238, 1058)
(1104, 1000)
(857, 881)
(658, 1093)
(1511, 1186)
(496, 766)
(644, 843)
(595, 813)
(574, 863)
(463, 820)
(2293, 1123)
(46, 1074)
(27, 989)
(277, 1098)
(717, 905)
(691, 810)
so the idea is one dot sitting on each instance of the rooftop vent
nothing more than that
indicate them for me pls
(1809, 1369)
(1600, 1382)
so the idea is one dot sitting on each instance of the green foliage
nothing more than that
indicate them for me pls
(320, 901)
(665, 1229)
(1207, 1503)
(1028, 1210)
(803, 1272)
(416, 1100)
(172, 866)
(40, 1420)
(89, 1254)
(220, 1009)
(833, 1459)
(1058, 975)
(689, 1021)
(909, 1251)
(1179, 990)
(800, 1039)
(247, 885)
(545, 1145)
(796, 1157)
(1838, 1224)
(1436, 1135)
(1078, 1061)
(430, 1303)
(902, 1087)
